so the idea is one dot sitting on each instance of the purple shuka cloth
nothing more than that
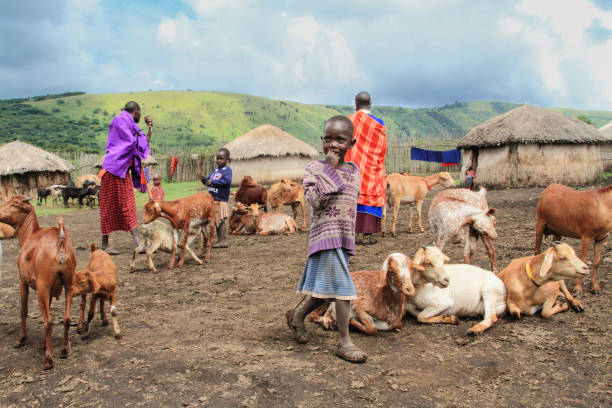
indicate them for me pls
(126, 142)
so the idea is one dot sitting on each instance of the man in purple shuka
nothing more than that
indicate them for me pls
(121, 172)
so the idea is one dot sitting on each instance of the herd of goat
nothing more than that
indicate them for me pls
(425, 286)
(85, 190)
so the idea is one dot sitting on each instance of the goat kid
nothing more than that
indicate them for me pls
(272, 223)
(241, 221)
(411, 190)
(535, 282)
(100, 279)
(381, 298)
(46, 263)
(189, 215)
(470, 292)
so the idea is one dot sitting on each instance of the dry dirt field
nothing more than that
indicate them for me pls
(215, 335)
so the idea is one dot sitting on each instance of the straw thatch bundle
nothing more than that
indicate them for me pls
(270, 141)
(18, 157)
(268, 154)
(530, 146)
(531, 125)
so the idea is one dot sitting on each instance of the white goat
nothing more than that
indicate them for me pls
(158, 235)
(472, 292)
(462, 216)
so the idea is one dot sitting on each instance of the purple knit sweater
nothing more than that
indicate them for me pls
(332, 195)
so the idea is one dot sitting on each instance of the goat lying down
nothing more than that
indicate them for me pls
(472, 292)
(381, 298)
(159, 235)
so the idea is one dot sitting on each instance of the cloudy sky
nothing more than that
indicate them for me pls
(411, 53)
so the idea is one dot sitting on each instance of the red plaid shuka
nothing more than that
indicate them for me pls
(369, 155)
(117, 204)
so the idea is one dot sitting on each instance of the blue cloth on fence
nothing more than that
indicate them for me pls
(425, 155)
(451, 157)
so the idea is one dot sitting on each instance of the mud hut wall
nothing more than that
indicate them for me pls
(527, 165)
(572, 164)
(466, 161)
(606, 156)
(268, 170)
(27, 183)
(494, 164)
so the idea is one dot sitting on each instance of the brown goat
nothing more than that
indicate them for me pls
(189, 214)
(241, 220)
(287, 192)
(275, 223)
(563, 211)
(249, 192)
(6, 231)
(46, 264)
(411, 190)
(100, 279)
(535, 282)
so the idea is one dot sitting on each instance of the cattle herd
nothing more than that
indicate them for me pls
(425, 285)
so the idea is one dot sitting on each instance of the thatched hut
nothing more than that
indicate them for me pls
(268, 154)
(532, 146)
(24, 168)
(606, 149)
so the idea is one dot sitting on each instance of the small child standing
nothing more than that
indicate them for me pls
(331, 187)
(157, 191)
(470, 175)
(219, 182)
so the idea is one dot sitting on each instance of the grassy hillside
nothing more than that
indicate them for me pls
(188, 119)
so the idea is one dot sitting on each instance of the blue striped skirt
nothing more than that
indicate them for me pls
(327, 275)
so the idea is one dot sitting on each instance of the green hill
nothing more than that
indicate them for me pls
(186, 119)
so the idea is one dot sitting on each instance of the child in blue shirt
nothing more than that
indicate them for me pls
(219, 182)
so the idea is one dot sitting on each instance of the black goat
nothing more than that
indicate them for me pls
(43, 193)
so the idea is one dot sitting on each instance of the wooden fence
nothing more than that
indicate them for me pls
(397, 161)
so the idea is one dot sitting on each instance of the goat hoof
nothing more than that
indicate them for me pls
(595, 290)
(104, 323)
(64, 353)
(118, 336)
(20, 343)
(577, 307)
(48, 364)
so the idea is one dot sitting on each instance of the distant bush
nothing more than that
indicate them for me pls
(585, 119)
(61, 101)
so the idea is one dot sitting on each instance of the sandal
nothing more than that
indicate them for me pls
(300, 332)
(346, 353)
(111, 251)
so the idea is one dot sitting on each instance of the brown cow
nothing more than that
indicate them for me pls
(249, 192)
(46, 264)
(563, 211)
(288, 192)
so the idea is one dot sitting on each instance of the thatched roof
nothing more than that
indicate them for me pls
(19, 157)
(149, 161)
(531, 125)
(607, 130)
(268, 140)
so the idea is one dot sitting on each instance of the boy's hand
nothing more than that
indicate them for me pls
(332, 159)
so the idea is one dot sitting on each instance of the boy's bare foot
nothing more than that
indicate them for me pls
(300, 332)
(351, 353)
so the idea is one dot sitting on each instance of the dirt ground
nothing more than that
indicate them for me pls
(216, 335)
